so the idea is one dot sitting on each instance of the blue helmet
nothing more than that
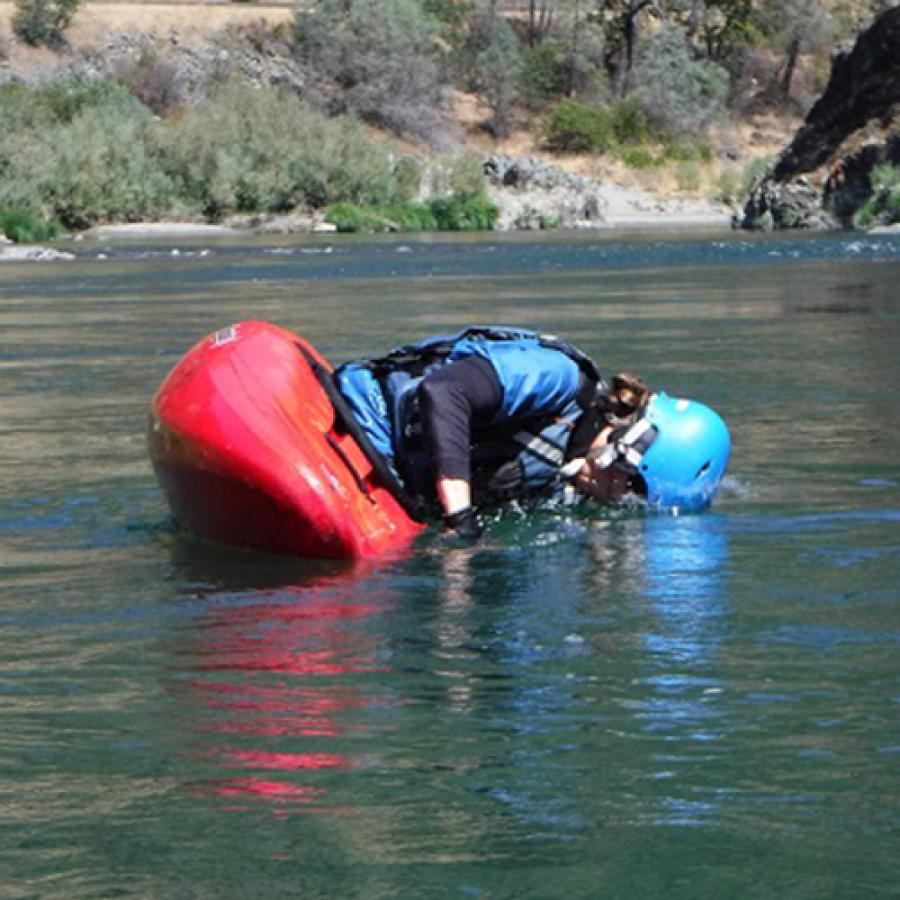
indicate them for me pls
(686, 459)
(675, 453)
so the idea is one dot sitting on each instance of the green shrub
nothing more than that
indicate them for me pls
(864, 218)
(580, 127)
(685, 151)
(630, 124)
(728, 187)
(348, 217)
(465, 176)
(26, 107)
(566, 62)
(26, 226)
(250, 150)
(543, 72)
(886, 184)
(83, 163)
(39, 22)
(410, 216)
(476, 213)
(639, 158)
(408, 175)
(577, 127)
(883, 207)
(86, 151)
(437, 214)
(108, 168)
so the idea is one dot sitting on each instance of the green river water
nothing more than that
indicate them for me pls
(586, 705)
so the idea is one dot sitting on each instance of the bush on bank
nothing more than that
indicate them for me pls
(39, 22)
(24, 227)
(455, 213)
(883, 207)
(84, 151)
(621, 129)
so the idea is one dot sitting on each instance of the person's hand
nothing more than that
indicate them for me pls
(464, 523)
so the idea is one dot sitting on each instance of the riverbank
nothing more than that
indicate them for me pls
(166, 54)
(620, 209)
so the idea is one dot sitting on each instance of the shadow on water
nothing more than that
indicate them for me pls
(211, 568)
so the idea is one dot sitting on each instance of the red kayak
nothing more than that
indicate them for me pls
(253, 446)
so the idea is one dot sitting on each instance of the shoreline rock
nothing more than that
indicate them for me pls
(533, 194)
(32, 253)
(150, 230)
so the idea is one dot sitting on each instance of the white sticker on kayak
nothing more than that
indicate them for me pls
(225, 336)
(333, 480)
(682, 405)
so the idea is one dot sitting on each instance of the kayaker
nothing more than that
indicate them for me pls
(493, 414)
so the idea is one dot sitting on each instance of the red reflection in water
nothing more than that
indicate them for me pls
(239, 786)
(261, 760)
(311, 638)
(276, 710)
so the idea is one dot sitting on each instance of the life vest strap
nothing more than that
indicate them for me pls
(383, 473)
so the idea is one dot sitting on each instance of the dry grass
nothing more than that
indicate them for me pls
(191, 20)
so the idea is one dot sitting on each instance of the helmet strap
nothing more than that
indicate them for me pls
(626, 447)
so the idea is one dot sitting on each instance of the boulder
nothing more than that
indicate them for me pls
(774, 206)
(864, 85)
(533, 194)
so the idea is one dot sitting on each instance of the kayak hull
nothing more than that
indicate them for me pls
(249, 451)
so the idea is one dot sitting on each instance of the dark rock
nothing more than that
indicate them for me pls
(529, 173)
(849, 184)
(782, 206)
(864, 85)
(592, 211)
(495, 168)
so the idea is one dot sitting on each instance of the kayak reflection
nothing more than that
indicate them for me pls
(269, 676)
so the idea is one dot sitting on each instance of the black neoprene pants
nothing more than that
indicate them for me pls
(464, 393)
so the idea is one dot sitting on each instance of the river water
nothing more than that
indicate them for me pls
(586, 705)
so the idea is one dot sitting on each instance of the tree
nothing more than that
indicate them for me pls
(794, 26)
(622, 24)
(680, 94)
(377, 58)
(569, 56)
(43, 21)
(491, 63)
(720, 29)
(540, 20)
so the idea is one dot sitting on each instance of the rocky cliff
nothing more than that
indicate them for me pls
(864, 87)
